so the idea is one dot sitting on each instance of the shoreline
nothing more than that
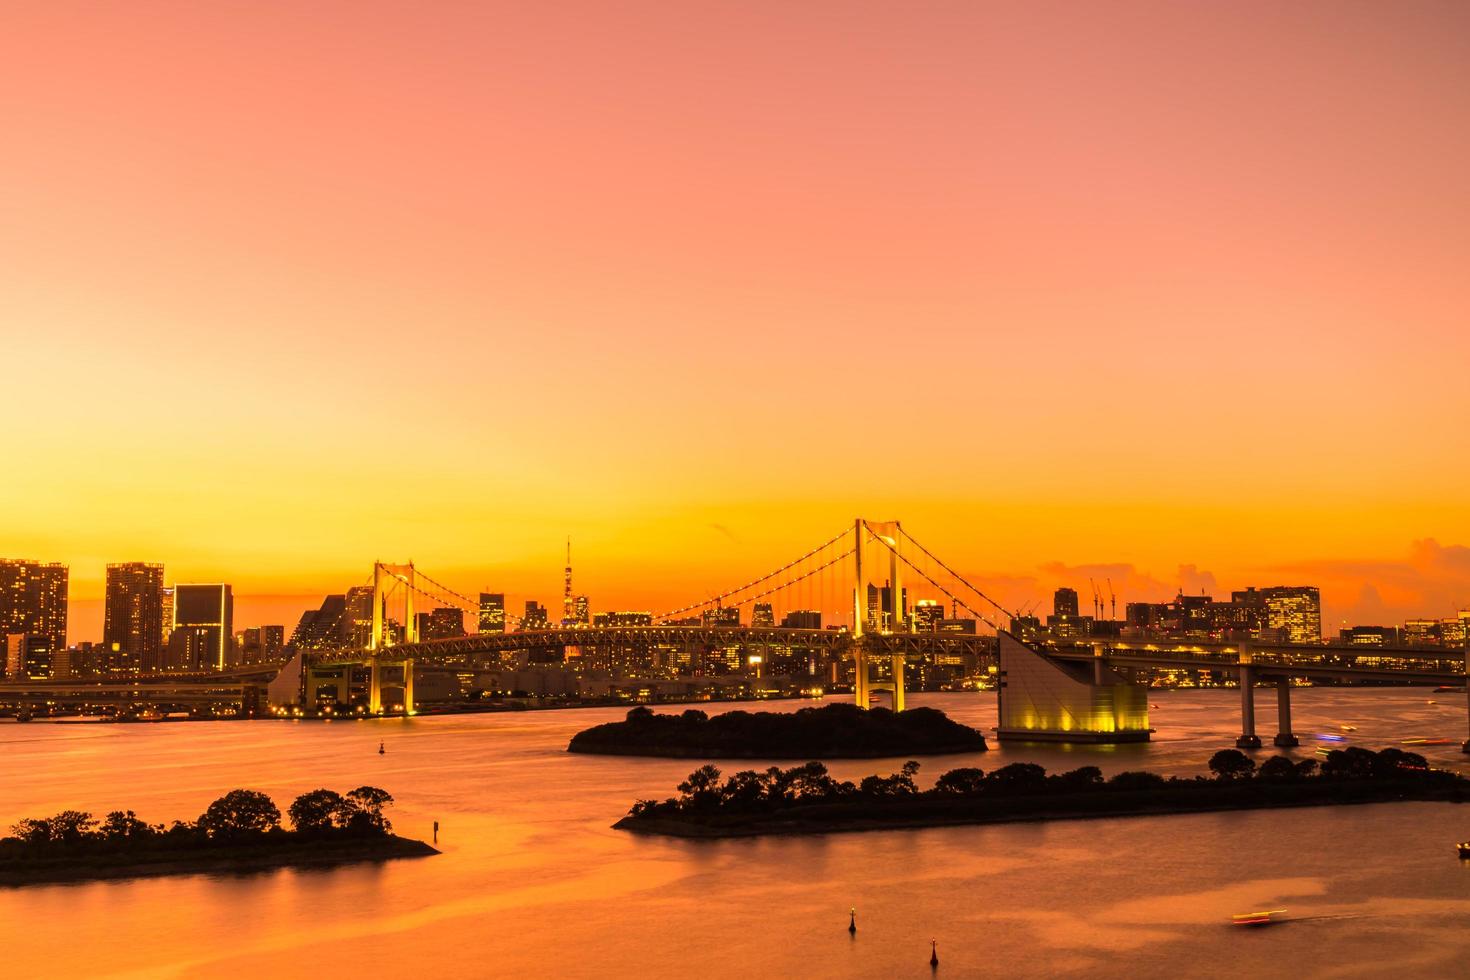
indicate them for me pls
(87, 866)
(925, 811)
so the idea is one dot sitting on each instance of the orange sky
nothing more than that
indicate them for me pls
(285, 287)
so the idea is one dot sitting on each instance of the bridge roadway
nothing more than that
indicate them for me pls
(833, 641)
(1329, 661)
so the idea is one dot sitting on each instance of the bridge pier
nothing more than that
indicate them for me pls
(375, 687)
(897, 663)
(407, 686)
(1465, 745)
(1248, 737)
(1284, 737)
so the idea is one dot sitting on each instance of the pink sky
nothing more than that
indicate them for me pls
(287, 287)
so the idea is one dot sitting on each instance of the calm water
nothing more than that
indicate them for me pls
(533, 882)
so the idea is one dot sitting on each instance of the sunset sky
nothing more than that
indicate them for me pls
(1172, 293)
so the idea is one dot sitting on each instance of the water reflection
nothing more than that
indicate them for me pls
(533, 881)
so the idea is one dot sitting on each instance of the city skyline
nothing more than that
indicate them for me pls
(1125, 583)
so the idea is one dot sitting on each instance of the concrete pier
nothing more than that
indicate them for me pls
(1284, 737)
(1248, 737)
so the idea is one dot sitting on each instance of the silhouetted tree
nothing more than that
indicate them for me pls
(1232, 764)
(240, 812)
(1136, 781)
(701, 791)
(1083, 777)
(125, 825)
(321, 809)
(961, 782)
(900, 783)
(1278, 769)
(1396, 763)
(1349, 763)
(366, 805)
(1016, 777)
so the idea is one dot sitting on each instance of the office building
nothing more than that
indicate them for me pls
(623, 619)
(33, 599)
(926, 615)
(762, 615)
(28, 656)
(536, 617)
(357, 617)
(166, 606)
(205, 614)
(321, 628)
(443, 623)
(1064, 603)
(132, 622)
(492, 612)
(721, 616)
(802, 619)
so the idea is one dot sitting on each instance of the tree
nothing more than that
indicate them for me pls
(1278, 768)
(640, 713)
(366, 805)
(900, 783)
(1136, 781)
(32, 831)
(1396, 763)
(1018, 776)
(1232, 764)
(1083, 777)
(745, 789)
(321, 809)
(125, 825)
(811, 782)
(1349, 763)
(701, 791)
(965, 781)
(240, 812)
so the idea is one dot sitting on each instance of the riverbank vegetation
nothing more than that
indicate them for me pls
(240, 831)
(834, 731)
(807, 799)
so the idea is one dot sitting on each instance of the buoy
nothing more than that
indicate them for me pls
(933, 953)
(852, 921)
(381, 750)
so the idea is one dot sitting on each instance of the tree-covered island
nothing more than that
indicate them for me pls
(806, 799)
(834, 731)
(240, 831)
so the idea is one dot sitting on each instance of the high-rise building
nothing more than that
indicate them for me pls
(167, 606)
(536, 617)
(492, 612)
(1064, 603)
(260, 645)
(616, 618)
(357, 617)
(581, 611)
(1296, 610)
(721, 616)
(802, 619)
(208, 612)
(762, 615)
(132, 622)
(322, 628)
(927, 614)
(28, 656)
(880, 607)
(443, 623)
(33, 599)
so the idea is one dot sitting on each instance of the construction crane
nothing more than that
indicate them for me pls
(1096, 600)
(1114, 597)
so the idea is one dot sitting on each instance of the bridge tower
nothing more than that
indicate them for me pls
(384, 575)
(864, 686)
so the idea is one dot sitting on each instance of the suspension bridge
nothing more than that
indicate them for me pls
(824, 601)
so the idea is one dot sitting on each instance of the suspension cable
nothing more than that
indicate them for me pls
(965, 605)
(935, 558)
(714, 600)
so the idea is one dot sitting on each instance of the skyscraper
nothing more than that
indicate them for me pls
(536, 617)
(168, 612)
(761, 614)
(132, 623)
(492, 612)
(1064, 603)
(33, 599)
(357, 617)
(443, 623)
(203, 634)
(28, 656)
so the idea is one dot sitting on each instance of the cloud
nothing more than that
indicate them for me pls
(1430, 580)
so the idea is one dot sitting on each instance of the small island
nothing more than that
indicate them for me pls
(240, 831)
(834, 731)
(807, 800)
